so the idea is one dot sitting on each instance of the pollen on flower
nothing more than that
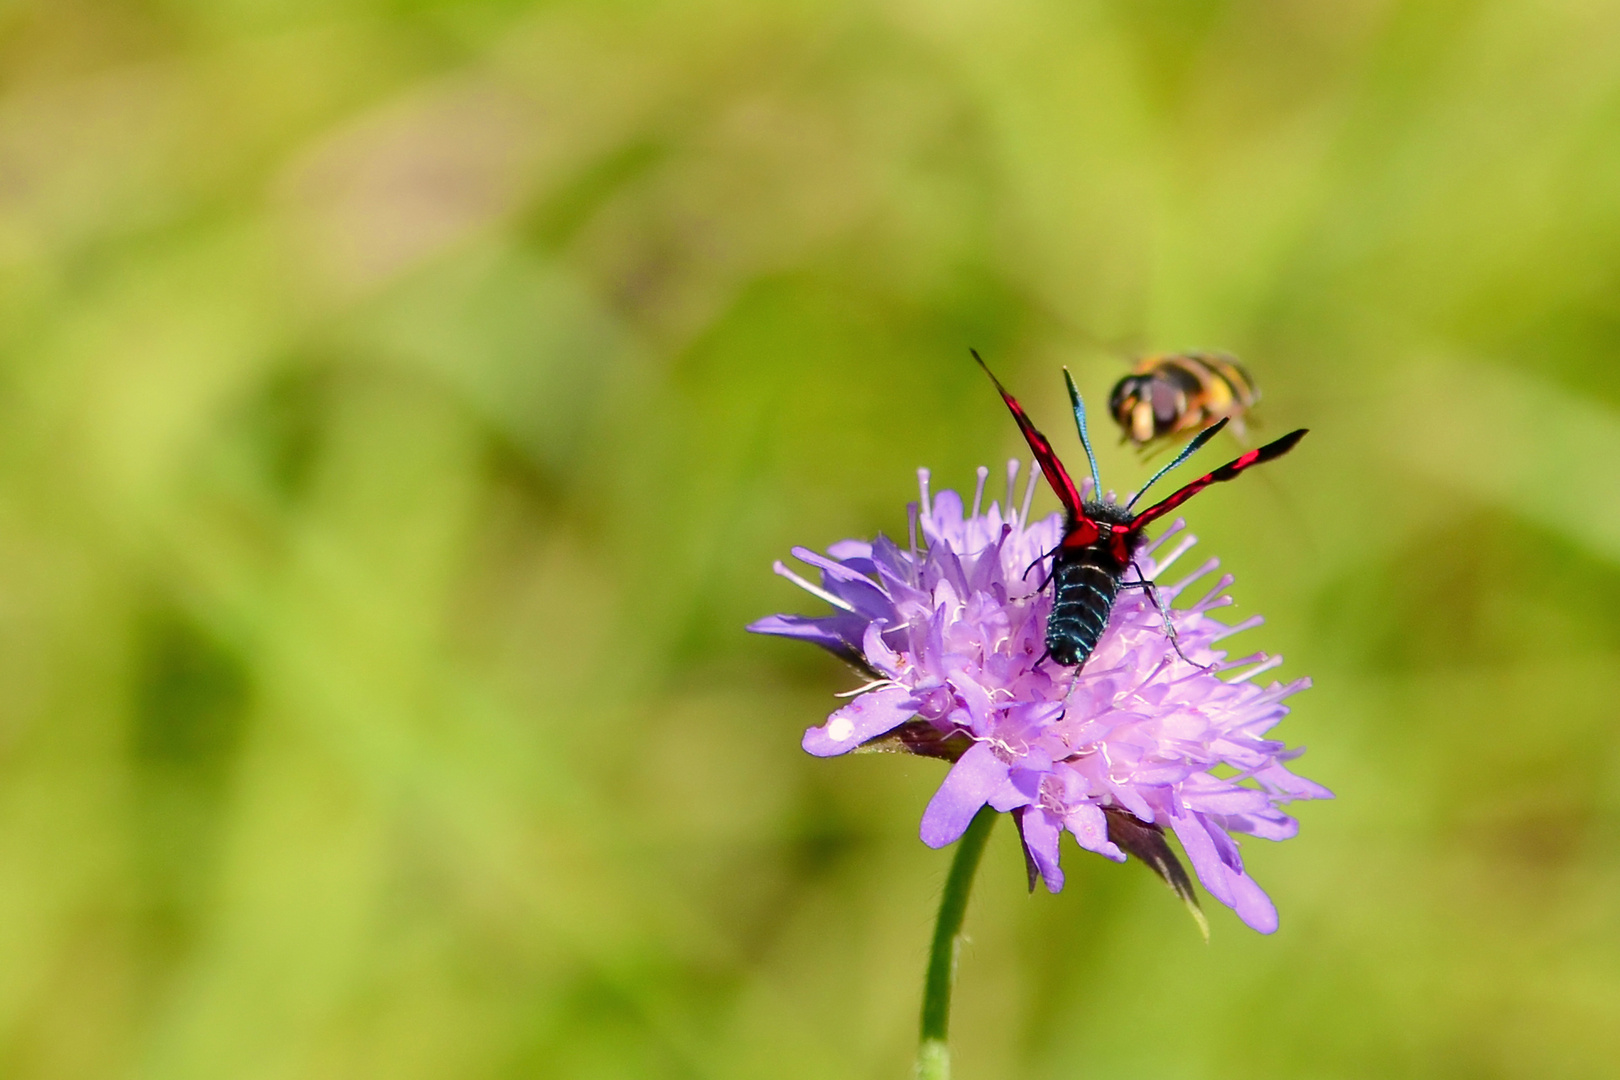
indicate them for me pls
(1140, 741)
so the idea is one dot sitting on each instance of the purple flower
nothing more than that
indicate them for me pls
(950, 629)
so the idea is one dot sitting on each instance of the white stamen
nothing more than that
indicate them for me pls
(1176, 589)
(840, 728)
(1236, 628)
(978, 492)
(1163, 663)
(875, 684)
(922, 486)
(1012, 477)
(814, 590)
(1175, 527)
(1264, 665)
(1159, 567)
(911, 523)
(1029, 495)
(1213, 598)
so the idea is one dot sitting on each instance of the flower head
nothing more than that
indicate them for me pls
(1149, 735)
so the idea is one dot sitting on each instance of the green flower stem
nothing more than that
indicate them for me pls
(933, 1054)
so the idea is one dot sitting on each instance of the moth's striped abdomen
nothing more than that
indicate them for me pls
(1085, 582)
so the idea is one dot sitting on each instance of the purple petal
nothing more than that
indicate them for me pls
(1041, 833)
(1223, 799)
(1252, 905)
(1090, 829)
(968, 786)
(1273, 824)
(987, 565)
(1009, 794)
(861, 565)
(942, 564)
(895, 569)
(977, 700)
(932, 651)
(840, 633)
(877, 651)
(944, 519)
(1222, 872)
(1277, 778)
(849, 550)
(1024, 778)
(868, 716)
(850, 586)
(1200, 849)
(1132, 798)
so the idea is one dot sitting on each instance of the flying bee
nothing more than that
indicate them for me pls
(1168, 394)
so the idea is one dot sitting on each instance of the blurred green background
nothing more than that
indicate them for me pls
(401, 404)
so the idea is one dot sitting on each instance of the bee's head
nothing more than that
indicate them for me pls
(1128, 393)
(1136, 403)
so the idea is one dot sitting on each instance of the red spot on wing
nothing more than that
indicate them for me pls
(1083, 534)
(1119, 544)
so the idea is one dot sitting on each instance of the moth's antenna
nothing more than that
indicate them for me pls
(1085, 440)
(1186, 452)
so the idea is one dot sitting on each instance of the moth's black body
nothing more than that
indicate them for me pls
(1085, 583)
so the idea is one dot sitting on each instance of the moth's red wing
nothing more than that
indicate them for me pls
(1056, 474)
(1225, 472)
